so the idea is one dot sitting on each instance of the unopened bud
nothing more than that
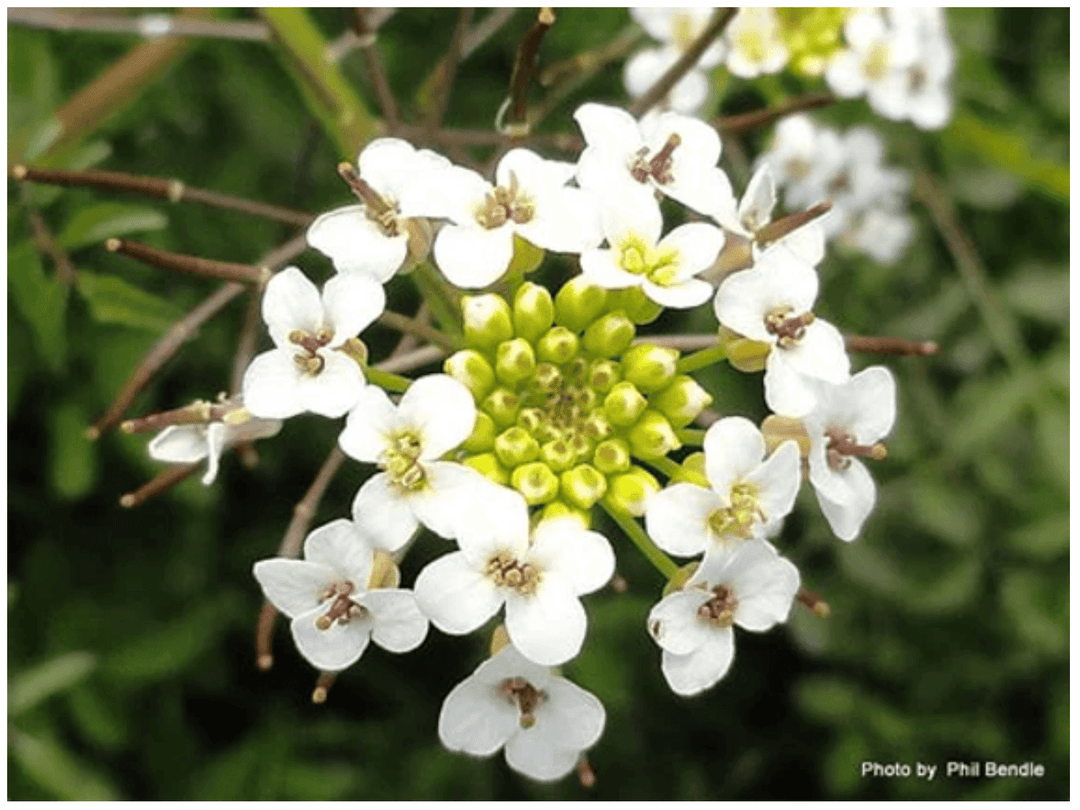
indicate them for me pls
(636, 304)
(778, 429)
(649, 367)
(583, 486)
(629, 491)
(596, 426)
(502, 406)
(624, 404)
(487, 320)
(609, 335)
(681, 401)
(487, 464)
(612, 456)
(602, 375)
(744, 354)
(420, 236)
(558, 454)
(536, 482)
(526, 258)
(515, 362)
(579, 303)
(558, 510)
(384, 571)
(471, 369)
(534, 311)
(514, 446)
(559, 345)
(482, 437)
(652, 436)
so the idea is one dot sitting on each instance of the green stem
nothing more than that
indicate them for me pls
(442, 298)
(644, 543)
(701, 359)
(394, 383)
(691, 436)
(677, 473)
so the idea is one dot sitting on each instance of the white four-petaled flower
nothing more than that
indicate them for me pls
(187, 444)
(334, 611)
(544, 721)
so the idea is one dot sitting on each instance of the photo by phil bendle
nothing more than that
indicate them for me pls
(564, 352)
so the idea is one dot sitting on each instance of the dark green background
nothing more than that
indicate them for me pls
(130, 655)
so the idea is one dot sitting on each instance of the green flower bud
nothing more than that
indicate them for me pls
(515, 362)
(745, 354)
(596, 426)
(583, 486)
(695, 463)
(530, 418)
(487, 320)
(682, 401)
(629, 491)
(609, 335)
(558, 455)
(578, 303)
(502, 406)
(624, 404)
(602, 375)
(472, 370)
(514, 447)
(649, 367)
(536, 482)
(582, 447)
(778, 429)
(652, 436)
(548, 378)
(612, 456)
(561, 509)
(557, 346)
(526, 258)
(482, 438)
(486, 464)
(534, 311)
(636, 304)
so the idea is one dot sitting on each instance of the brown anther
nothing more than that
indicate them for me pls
(309, 364)
(720, 610)
(526, 697)
(341, 609)
(788, 331)
(814, 603)
(377, 209)
(322, 686)
(660, 165)
(842, 446)
(508, 572)
(309, 342)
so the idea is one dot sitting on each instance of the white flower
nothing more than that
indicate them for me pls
(749, 497)
(752, 586)
(882, 235)
(434, 416)
(544, 721)
(771, 302)
(875, 51)
(187, 444)
(373, 237)
(540, 581)
(334, 614)
(663, 268)
(530, 199)
(672, 153)
(849, 421)
(304, 372)
(754, 44)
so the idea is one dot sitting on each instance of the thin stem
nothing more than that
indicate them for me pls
(411, 326)
(191, 265)
(449, 69)
(871, 344)
(161, 482)
(701, 359)
(386, 380)
(661, 562)
(380, 84)
(677, 472)
(46, 243)
(735, 124)
(814, 603)
(147, 25)
(684, 343)
(785, 225)
(159, 188)
(691, 436)
(641, 105)
(524, 70)
(473, 39)
(409, 361)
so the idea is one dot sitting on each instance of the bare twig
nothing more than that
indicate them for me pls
(409, 361)
(376, 73)
(191, 265)
(473, 39)
(147, 25)
(450, 64)
(515, 121)
(161, 482)
(412, 326)
(322, 686)
(642, 104)
(43, 238)
(814, 603)
(782, 227)
(734, 124)
(160, 188)
(889, 345)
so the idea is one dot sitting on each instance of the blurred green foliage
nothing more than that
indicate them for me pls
(131, 664)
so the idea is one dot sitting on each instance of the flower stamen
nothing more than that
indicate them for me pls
(720, 610)
(526, 697)
(508, 572)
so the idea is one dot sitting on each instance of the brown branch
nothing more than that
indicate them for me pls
(322, 687)
(415, 359)
(43, 238)
(521, 76)
(475, 137)
(889, 345)
(779, 228)
(195, 414)
(143, 24)
(814, 603)
(160, 188)
(403, 323)
(191, 265)
(473, 39)
(449, 69)
(376, 72)
(161, 482)
(734, 124)
(642, 104)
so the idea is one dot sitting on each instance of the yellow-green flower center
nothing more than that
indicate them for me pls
(660, 266)
(507, 571)
(738, 519)
(400, 460)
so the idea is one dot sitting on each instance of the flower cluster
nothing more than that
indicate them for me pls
(551, 408)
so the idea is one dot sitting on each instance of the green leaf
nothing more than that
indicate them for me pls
(72, 458)
(1039, 291)
(827, 700)
(97, 222)
(318, 782)
(1037, 610)
(1044, 539)
(58, 772)
(31, 687)
(946, 510)
(42, 302)
(98, 719)
(113, 300)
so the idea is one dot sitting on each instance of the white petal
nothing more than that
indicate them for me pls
(847, 517)
(335, 648)
(355, 244)
(734, 448)
(448, 492)
(681, 295)
(548, 627)
(475, 718)
(602, 269)
(787, 392)
(216, 433)
(765, 585)
(372, 420)
(742, 302)
(531, 753)
(778, 480)
(703, 189)
(571, 716)
(644, 68)
(474, 257)
(583, 558)
(293, 586)
(495, 519)
(674, 623)
(697, 244)
(453, 192)
(440, 410)
(334, 390)
(341, 546)
(455, 595)
(291, 302)
(873, 395)
(399, 626)
(383, 515)
(271, 385)
(610, 127)
(567, 220)
(183, 444)
(699, 143)
(352, 302)
(759, 199)
(690, 674)
(689, 92)
(677, 518)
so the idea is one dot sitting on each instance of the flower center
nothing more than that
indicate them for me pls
(342, 609)
(507, 571)
(400, 459)
(504, 204)
(720, 610)
(739, 518)
(309, 360)
(661, 267)
(876, 64)
(788, 330)
(380, 210)
(683, 31)
(842, 446)
(519, 692)
(658, 167)
(752, 45)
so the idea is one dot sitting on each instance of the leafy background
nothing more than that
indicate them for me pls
(130, 657)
